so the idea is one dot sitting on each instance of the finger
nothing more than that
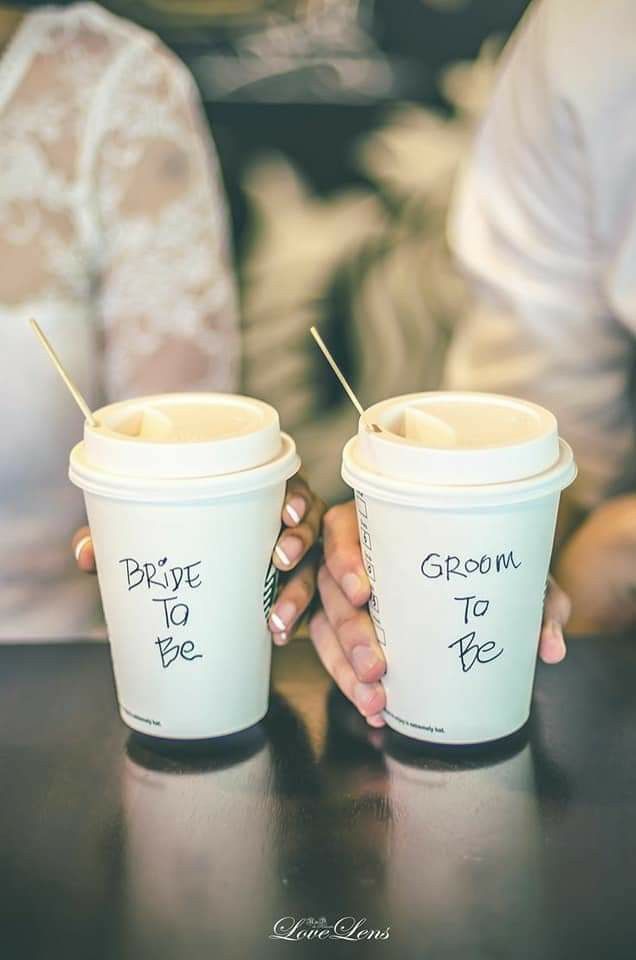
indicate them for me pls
(353, 628)
(377, 720)
(297, 500)
(342, 553)
(293, 544)
(293, 601)
(83, 550)
(552, 647)
(367, 697)
(556, 613)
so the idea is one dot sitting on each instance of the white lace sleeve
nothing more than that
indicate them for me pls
(166, 298)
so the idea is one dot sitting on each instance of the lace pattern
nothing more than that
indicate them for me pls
(113, 232)
(109, 177)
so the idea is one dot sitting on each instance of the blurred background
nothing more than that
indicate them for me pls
(339, 125)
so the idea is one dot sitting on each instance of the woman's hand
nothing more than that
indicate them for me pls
(597, 566)
(343, 633)
(302, 519)
(293, 554)
(83, 549)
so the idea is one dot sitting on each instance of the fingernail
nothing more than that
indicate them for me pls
(376, 720)
(292, 551)
(280, 639)
(295, 509)
(557, 632)
(363, 660)
(353, 585)
(283, 615)
(79, 546)
(363, 694)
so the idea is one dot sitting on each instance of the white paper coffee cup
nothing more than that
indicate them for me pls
(184, 495)
(457, 499)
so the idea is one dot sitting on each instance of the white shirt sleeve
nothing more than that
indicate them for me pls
(524, 225)
(166, 299)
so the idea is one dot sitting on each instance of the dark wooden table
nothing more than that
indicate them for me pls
(109, 850)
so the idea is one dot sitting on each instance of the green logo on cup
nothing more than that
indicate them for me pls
(269, 589)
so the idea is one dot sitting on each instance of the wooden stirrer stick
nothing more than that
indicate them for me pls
(341, 377)
(55, 360)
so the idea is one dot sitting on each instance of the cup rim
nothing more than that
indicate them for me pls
(530, 449)
(111, 448)
(441, 496)
(94, 480)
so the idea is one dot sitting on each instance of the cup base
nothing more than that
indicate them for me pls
(193, 756)
(193, 745)
(246, 740)
(509, 742)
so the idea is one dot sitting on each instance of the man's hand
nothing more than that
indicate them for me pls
(343, 633)
(597, 567)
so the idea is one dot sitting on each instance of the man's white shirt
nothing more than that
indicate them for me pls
(544, 222)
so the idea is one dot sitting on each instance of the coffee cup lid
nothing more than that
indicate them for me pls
(446, 440)
(152, 442)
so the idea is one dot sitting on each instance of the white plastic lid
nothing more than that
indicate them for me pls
(441, 440)
(155, 443)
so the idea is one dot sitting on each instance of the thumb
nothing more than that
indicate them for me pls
(556, 613)
(83, 550)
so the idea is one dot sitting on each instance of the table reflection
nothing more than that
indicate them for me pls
(367, 825)
(203, 839)
(465, 849)
(428, 831)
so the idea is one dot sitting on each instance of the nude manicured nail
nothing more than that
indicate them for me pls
(282, 556)
(290, 552)
(283, 615)
(280, 639)
(295, 509)
(363, 659)
(79, 546)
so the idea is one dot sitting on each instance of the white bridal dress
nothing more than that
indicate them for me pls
(113, 234)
